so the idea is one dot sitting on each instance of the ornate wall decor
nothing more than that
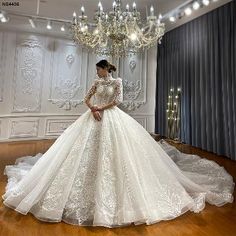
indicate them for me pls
(134, 73)
(2, 65)
(132, 65)
(55, 127)
(24, 128)
(131, 92)
(67, 86)
(28, 75)
(132, 89)
(132, 105)
(70, 59)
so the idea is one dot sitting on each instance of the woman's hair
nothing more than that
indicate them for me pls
(104, 64)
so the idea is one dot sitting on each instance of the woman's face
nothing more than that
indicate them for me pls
(101, 72)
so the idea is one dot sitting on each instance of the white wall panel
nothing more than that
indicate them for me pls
(28, 71)
(27, 128)
(44, 79)
(55, 127)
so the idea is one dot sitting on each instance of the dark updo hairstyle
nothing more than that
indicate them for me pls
(104, 64)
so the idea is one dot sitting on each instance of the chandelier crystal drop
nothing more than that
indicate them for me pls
(117, 33)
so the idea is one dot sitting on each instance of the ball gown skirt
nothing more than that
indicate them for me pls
(113, 173)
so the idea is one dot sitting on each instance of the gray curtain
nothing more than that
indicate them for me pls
(200, 58)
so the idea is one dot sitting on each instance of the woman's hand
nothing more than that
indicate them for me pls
(100, 108)
(94, 108)
(97, 115)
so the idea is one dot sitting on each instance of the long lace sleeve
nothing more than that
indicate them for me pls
(118, 92)
(91, 91)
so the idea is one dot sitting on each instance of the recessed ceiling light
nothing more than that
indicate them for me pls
(172, 19)
(188, 11)
(4, 19)
(206, 2)
(196, 5)
(1, 14)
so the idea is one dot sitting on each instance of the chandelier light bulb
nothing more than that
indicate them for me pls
(133, 36)
(74, 18)
(134, 6)
(188, 11)
(152, 11)
(96, 31)
(196, 5)
(206, 2)
(114, 6)
(82, 9)
(127, 7)
(100, 8)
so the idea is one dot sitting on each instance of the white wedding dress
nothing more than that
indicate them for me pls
(113, 173)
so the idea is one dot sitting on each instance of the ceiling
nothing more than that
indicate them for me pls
(63, 9)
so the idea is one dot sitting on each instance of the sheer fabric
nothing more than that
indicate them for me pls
(112, 173)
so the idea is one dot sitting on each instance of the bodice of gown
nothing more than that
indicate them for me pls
(106, 90)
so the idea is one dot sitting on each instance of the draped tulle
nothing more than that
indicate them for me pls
(112, 173)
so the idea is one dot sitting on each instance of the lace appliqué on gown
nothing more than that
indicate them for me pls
(112, 173)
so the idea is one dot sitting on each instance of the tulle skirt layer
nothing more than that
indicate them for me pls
(112, 173)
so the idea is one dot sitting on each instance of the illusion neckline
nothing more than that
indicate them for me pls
(108, 77)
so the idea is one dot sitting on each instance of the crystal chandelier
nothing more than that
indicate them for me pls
(118, 32)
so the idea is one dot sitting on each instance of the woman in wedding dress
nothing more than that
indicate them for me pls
(106, 170)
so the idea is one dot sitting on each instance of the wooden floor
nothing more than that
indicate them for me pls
(212, 221)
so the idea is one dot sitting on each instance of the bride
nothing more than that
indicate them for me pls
(106, 170)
